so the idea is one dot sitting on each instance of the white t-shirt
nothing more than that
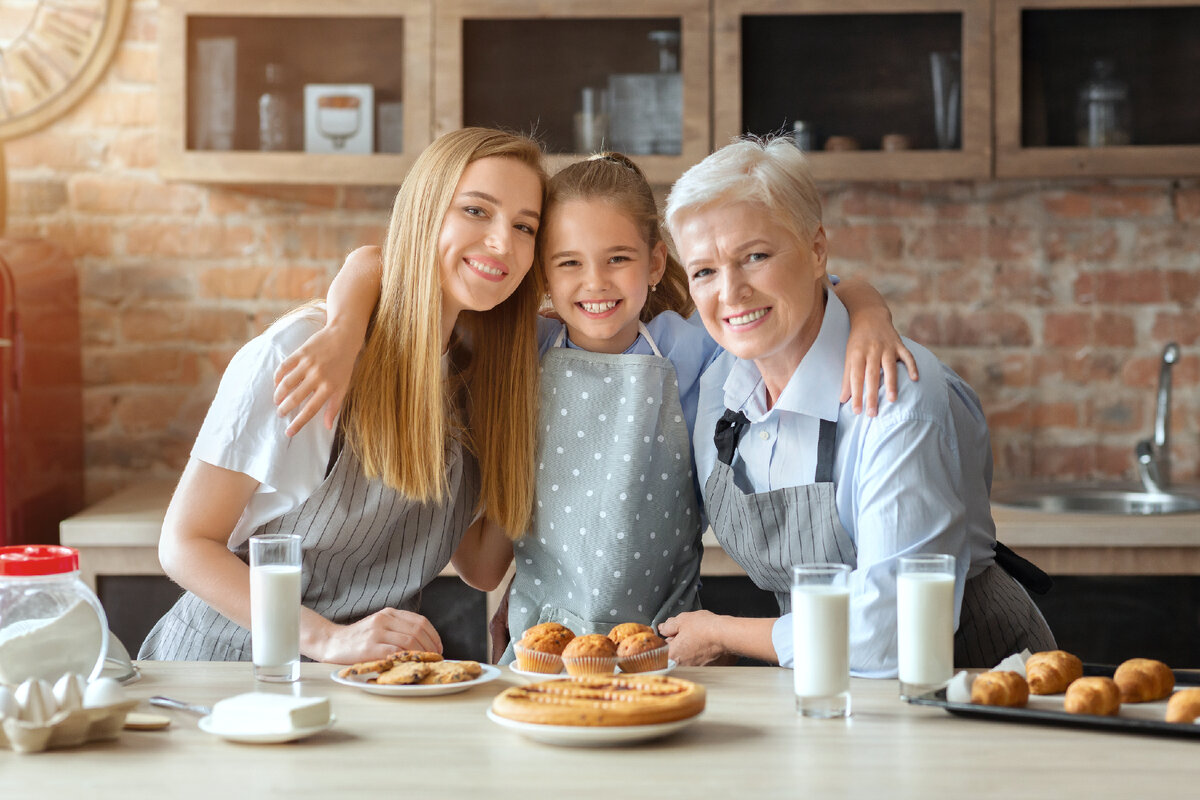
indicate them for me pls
(242, 431)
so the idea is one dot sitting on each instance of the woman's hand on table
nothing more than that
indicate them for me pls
(694, 637)
(874, 345)
(374, 637)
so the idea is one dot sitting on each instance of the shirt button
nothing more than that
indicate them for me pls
(764, 435)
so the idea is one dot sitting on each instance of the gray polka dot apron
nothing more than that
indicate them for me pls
(615, 534)
(365, 547)
(768, 532)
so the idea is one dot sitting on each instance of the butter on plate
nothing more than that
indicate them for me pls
(261, 712)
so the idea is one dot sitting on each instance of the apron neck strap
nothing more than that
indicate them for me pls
(732, 424)
(561, 339)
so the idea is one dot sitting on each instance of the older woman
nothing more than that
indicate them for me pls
(792, 475)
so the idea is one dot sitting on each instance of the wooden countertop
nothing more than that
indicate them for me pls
(748, 743)
(1062, 544)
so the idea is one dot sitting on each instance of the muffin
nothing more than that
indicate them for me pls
(642, 652)
(628, 629)
(593, 654)
(541, 647)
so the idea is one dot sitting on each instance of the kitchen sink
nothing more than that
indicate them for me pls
(1096, 499)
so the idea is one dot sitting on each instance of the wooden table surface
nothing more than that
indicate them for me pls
(749, 743)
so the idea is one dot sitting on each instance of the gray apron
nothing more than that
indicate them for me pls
(767, 532)
(616, 530)
(365, 547)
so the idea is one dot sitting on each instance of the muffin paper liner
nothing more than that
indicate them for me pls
(645, 662)
(537, 661)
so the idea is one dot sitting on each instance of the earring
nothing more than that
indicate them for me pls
(654, 287)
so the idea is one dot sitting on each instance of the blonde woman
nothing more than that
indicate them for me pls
(438, 424)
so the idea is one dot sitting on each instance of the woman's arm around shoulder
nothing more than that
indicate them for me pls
(874, 343)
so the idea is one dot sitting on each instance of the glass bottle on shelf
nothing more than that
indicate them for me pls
(1102, 114)
(591, 121)
(273, 112)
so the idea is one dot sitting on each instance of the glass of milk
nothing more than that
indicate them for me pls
(275, 606)
(925, 622)
(821, 635)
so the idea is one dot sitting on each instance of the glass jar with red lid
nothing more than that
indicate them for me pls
(51, 623)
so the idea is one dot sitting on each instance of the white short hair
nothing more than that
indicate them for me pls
(771, 173)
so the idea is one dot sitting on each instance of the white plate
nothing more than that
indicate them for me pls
(549, 676)
(590, 735)
(274, 737)
(490, 673)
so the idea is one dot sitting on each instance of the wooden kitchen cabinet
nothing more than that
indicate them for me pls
(381, 43)
(1045, 51)
(860, 69)
(524, 64)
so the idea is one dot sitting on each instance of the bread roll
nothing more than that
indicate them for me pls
(1051, 671)
(1000, 689)
(1098, 696)
(1142, 680)
(1184, 706)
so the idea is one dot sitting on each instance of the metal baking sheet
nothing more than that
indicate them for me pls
(1142, 718)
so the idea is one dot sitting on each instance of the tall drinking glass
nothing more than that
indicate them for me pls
(275, 606)
(925, 622)
(821, 637)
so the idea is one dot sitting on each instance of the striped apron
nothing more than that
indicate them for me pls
(366, 547)
(616, 531)
(768, 532)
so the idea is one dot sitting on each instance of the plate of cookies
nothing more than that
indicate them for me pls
(549, 648)
(1055, 687)
(599, 710)
(413, 673)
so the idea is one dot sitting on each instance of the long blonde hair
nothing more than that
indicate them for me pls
(400, 412)
(614, 178)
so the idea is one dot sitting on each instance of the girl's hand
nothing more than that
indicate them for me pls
(376, 636)
(317, 374)
(873, 345)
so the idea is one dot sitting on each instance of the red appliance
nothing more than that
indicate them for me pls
(41, 391)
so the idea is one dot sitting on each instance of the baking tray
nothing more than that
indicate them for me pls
(1142, 718)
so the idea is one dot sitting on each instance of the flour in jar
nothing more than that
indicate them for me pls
(48, 647)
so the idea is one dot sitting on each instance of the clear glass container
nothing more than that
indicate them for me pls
(1102, 116)
(51, 623)
(273, 112)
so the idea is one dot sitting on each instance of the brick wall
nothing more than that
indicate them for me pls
(1053, 299)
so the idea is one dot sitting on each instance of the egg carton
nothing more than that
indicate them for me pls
(65, 728)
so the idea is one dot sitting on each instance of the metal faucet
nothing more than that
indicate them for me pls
(1153, 456)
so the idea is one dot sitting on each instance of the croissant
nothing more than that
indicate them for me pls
(1184, 706)
(1000, 689)
(1144, 679)
(1052, 671)
(1099, 696)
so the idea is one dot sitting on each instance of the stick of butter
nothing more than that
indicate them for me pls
(261, 712)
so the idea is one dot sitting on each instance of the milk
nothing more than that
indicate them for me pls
(925, 627)
(275, 615)
(821, 638)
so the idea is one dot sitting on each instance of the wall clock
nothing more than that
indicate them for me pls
(51, 53)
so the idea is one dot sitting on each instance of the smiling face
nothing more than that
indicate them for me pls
(756, 283)
(599, 268)
(486, 243)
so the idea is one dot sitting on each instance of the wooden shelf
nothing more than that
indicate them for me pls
(855, 68)
(1044, 49)
(384, 43)
(510, 63)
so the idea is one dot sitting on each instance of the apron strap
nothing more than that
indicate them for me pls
(826, 447)
(1028, 574)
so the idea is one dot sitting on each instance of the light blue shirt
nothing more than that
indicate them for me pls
(914, 479)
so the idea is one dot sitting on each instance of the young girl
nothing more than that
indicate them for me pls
(616, 528)
(438, 420)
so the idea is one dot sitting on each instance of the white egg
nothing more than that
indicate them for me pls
(9, 707)
(103, 692)
(68, 691)
(37, 701)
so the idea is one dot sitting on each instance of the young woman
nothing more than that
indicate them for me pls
(438, 422)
